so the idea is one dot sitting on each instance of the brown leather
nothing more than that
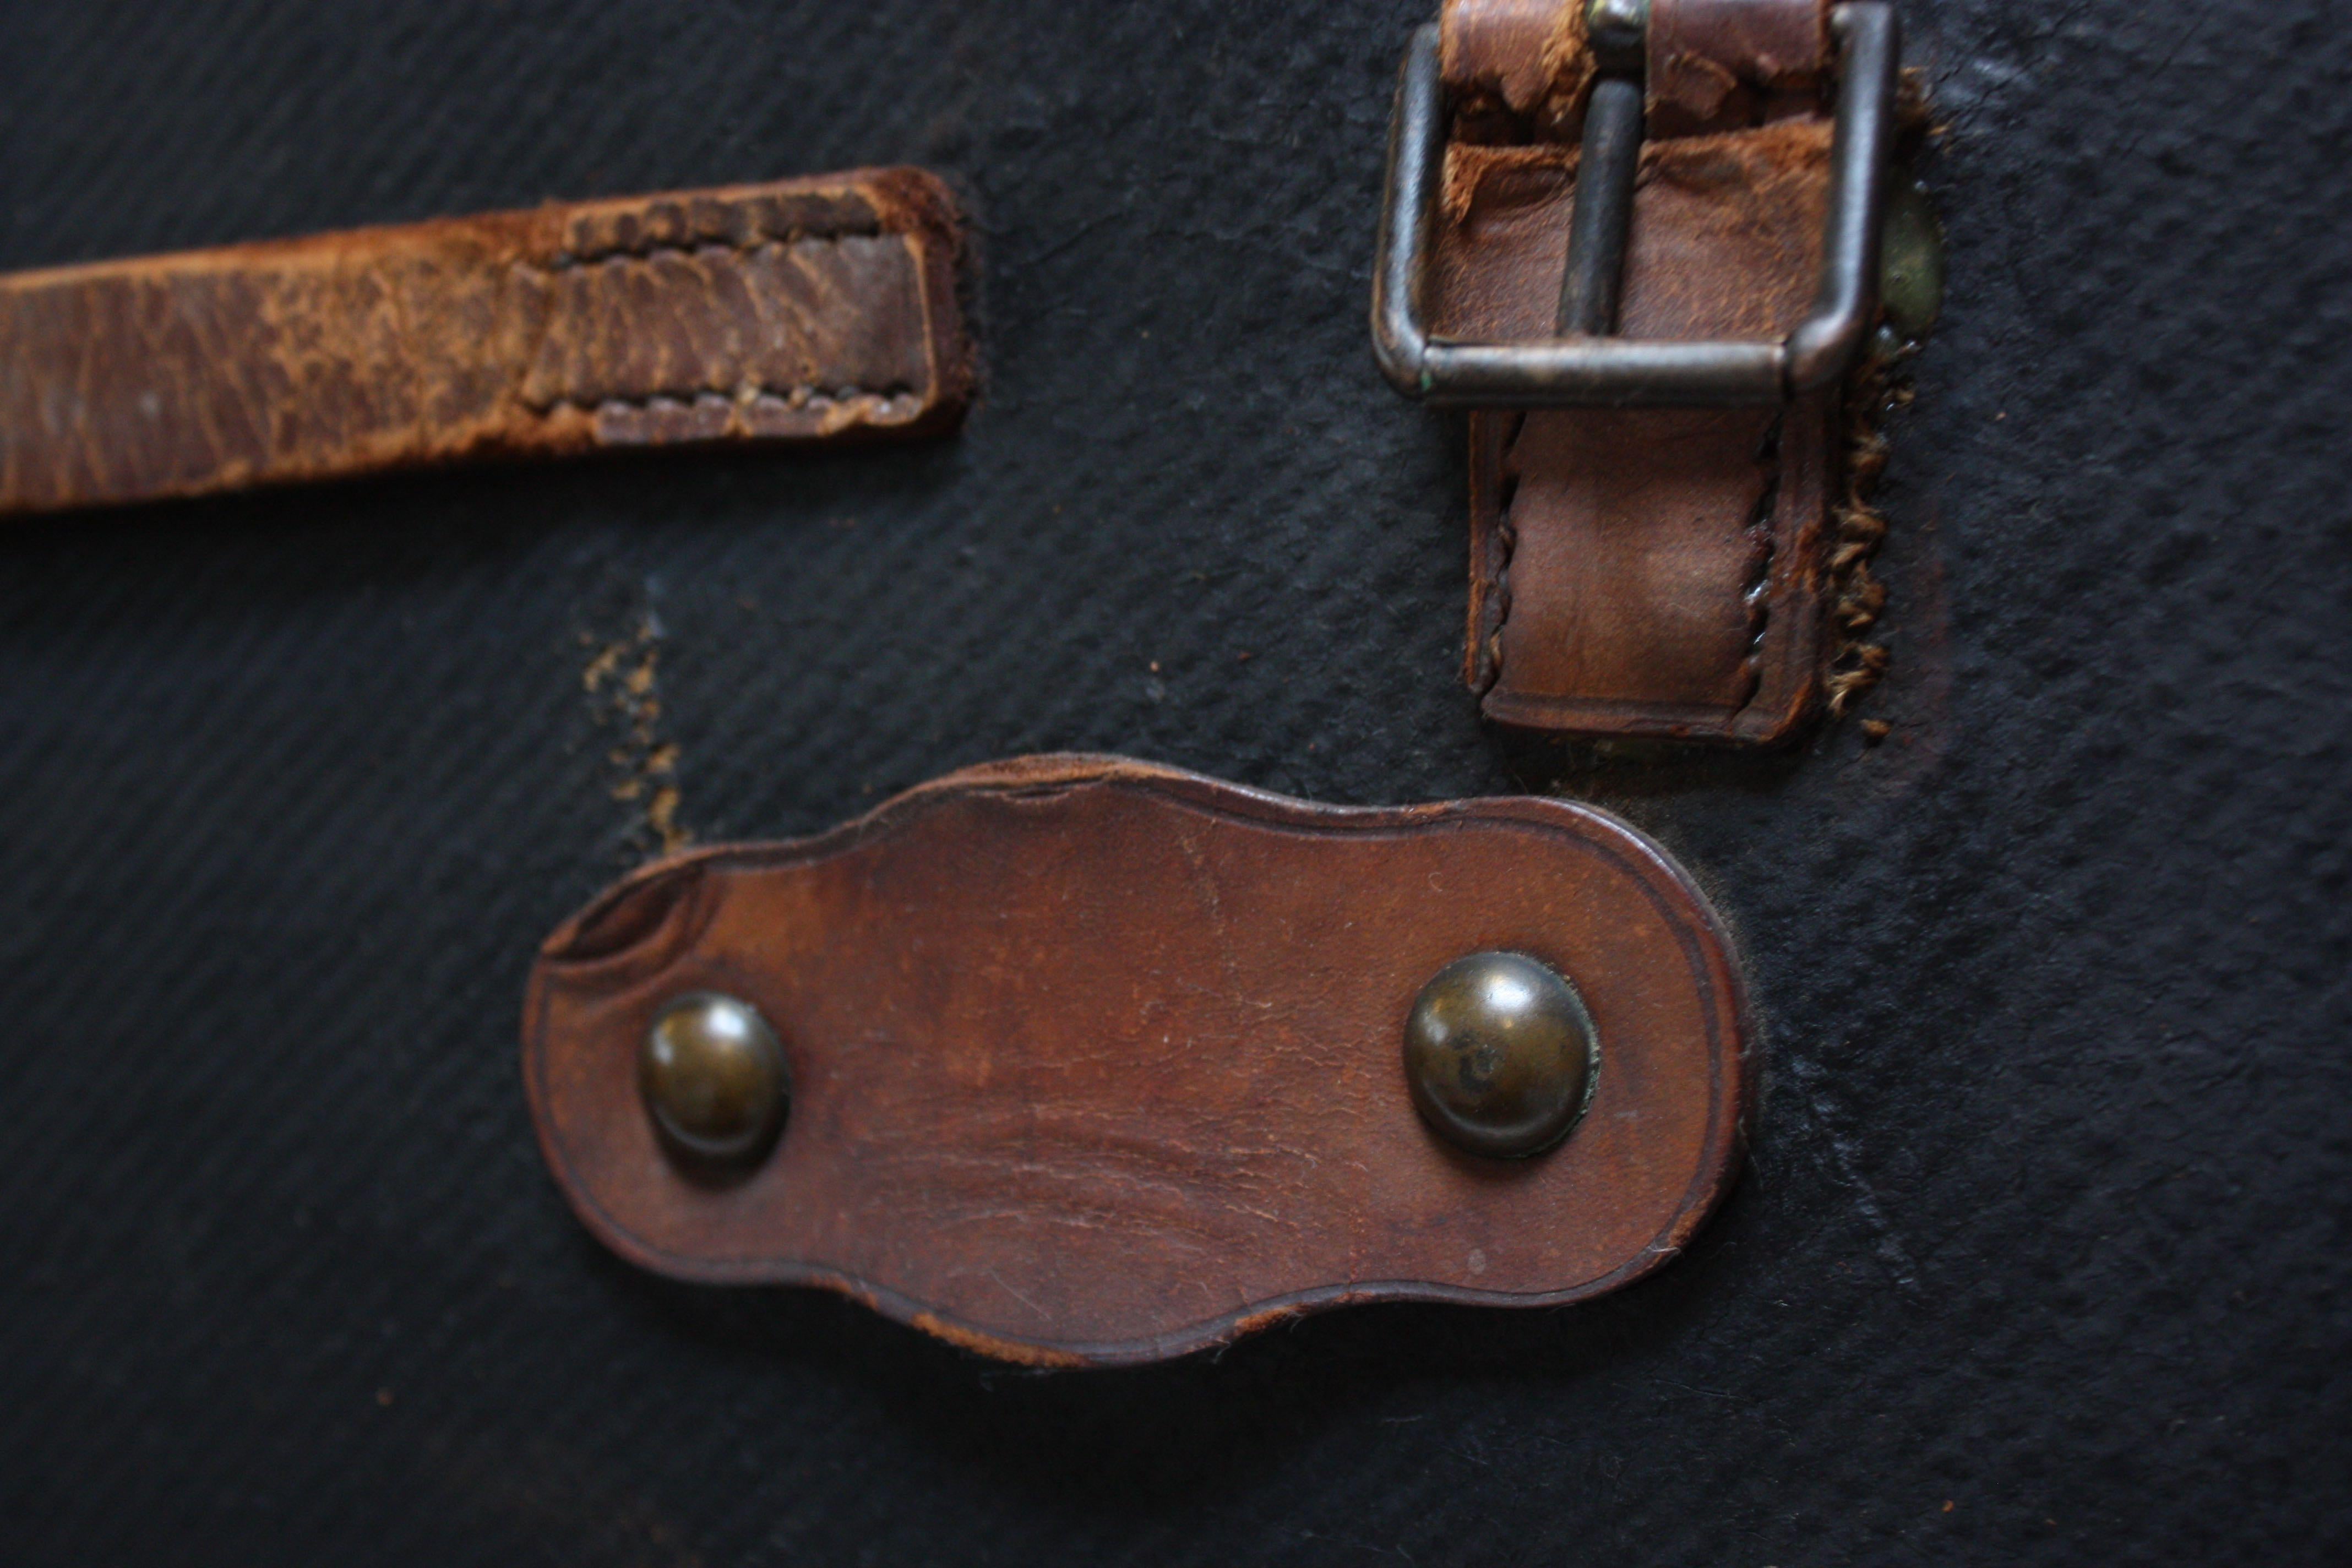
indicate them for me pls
(1523, 65)
(1650, 573)
(1098, 1062)
(1714, 61)
(1514, 68)
(804, 311)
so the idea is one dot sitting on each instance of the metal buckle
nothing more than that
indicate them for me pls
(1589, 367)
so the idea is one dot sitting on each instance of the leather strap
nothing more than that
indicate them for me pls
(1526, 63)
(1094, 1062)
(1648, 574)
(1711, 61)
(808, 310)
(1514, 68)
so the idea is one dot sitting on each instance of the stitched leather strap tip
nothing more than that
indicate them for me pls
(808, 310)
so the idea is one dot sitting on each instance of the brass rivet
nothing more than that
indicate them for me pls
(1501, 1054)
(713, 1077)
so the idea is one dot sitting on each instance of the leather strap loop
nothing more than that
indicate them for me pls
(804, 311)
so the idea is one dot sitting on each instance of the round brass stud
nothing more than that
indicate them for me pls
(713, 1077)
(1501, 1054)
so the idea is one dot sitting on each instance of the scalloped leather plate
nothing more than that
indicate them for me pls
(1095, 1062)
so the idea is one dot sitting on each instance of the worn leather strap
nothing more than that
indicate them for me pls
(1095, 1062)
(808, 310)
(1712, 62)
(1514, 68)
(1647, 573)
(1522, 69)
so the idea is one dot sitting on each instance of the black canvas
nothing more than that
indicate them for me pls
(2040, 1256)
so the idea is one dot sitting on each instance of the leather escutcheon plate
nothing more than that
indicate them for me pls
(1095, 1062)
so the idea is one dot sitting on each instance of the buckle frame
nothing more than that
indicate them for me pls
(1589, 370)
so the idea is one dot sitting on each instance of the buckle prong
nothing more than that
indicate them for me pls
(1602, 220)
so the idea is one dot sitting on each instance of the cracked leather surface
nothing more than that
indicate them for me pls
(800, 311)
(2047, 1210)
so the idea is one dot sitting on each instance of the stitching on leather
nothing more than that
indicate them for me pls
(1858, 598)
(798, 398)
(565, 261)
(1507, 535)
(1758, 595)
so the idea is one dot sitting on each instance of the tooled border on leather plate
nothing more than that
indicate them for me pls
(1731, 1072)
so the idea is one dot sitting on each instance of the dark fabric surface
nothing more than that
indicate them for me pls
(2041, 1257)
